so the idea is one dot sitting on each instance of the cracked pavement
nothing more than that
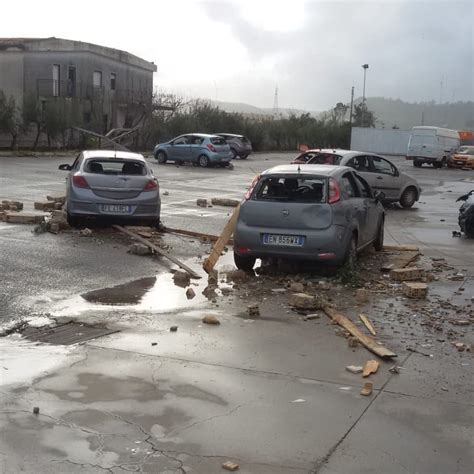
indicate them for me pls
(269, 393)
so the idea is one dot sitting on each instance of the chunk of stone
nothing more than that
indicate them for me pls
(201, 202)
(415, 290)
(230, 466)
(139, 249)
(190, 294)
(36, 410)
(305, 301)
(362, 295)
(44, 205)
(173, 328)
(297, 287)
(352, 342)
(354, 369)
(209, 319)
(407, 274)
(61, 199)
(237, 276)
(24, 217)
(86, 232)
(182, 278)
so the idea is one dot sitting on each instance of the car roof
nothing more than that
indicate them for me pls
(127, 155)
(230, 134)
(321, 170)
(203, 135)
(337, 151)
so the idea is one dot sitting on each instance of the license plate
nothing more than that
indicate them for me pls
(459, 162)
(115, 208)
(284, 240)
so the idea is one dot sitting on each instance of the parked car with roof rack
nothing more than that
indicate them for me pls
(312, 212)
(240, 146)
(380, 173)
(200, 149)
(111, 185)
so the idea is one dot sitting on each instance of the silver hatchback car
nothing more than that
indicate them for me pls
(111, 185)
(310, 212)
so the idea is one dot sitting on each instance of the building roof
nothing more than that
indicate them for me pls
(60, 44)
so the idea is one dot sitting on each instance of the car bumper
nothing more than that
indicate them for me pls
(218, 158)
(328, 245)
(86, 203)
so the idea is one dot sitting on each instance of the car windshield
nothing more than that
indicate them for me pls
(325, 159)
(466, 150)
(294, 189)
(114, 166)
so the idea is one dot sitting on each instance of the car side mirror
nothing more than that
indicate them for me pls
(379, 196)
(396, 173)
(65, 167)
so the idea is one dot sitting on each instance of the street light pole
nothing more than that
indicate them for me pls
(365, 67)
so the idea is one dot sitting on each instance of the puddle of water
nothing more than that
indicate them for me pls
(153, 294)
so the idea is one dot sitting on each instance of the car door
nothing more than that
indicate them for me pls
(385, 176)
(179, 149)
(195, 147)
(357, 207)
(373, 209)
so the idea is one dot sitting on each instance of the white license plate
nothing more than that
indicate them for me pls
(287, 240)
(116, 209)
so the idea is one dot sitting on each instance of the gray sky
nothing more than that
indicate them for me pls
(241, 50)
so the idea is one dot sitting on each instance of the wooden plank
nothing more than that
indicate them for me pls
(367, 324)
(367, 341)
(192, 233)
(370, 367)
(158, 250)
(221, 242)
(401, 248)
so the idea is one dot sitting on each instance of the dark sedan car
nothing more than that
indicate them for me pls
(312, 212)
(240, 146)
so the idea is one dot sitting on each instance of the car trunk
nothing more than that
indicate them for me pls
(221, 147)
(116, 187)
(292, 216)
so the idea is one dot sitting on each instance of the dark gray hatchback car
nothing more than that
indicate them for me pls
(311, 212)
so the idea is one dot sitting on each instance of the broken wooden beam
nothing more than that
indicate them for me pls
(225, 202)
(221, 242)
(367, 324)
(158, 250)
(191, 233)
(401, 248)
(369, 342)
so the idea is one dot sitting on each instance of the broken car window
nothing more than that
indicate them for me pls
(294, 189)
(115, 167)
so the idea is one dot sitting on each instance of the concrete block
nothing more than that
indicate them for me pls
(44, 205)
(407, 274)
(304, 301)
(24, 217)
(415, 290)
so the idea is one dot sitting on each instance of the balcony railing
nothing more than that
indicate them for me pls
(51, 88)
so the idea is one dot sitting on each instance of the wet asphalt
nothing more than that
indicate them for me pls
(269, 393)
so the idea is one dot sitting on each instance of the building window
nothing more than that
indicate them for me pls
(56, 80)
(97, 79)
(113, 80)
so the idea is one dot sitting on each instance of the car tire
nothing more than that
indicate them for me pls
(350, 258)
(438, 164)
(234, 153)
(378, 242)
(74, 221)
(417, 163)
(408, 197)
(244, 262)
(244, 157)
(203, 161)
(161, 157)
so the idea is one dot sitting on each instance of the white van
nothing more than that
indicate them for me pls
(432, 145)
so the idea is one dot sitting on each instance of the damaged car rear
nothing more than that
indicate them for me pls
(113, 186)
(312, 212)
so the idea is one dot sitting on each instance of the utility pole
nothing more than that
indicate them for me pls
(365, 67)
(275, 103)
(352, 104)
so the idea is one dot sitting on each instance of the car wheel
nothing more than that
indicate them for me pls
(443, 163)
(408, 197)
(351, 253)
(203, 161)
(437, 164)
(244, 157)
(234, 153)
(73, 221)
(161, 157)
(378, 243)
(244, 262)
(417, 163)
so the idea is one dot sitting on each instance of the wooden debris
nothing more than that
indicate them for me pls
(415, 290)
(158, 250)
(221, 242)
(366, 341)
(225, 202)
(401, 248)
(192, 233)
(407, 274)
(367, 324)
(370, 367)
(230, 466)
(367, 389)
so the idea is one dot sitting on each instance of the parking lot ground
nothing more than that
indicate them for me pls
(270, 393)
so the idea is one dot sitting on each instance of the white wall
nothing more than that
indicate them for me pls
(382, 141)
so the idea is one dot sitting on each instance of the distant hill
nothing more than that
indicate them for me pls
(395, 112)
(388, 112)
